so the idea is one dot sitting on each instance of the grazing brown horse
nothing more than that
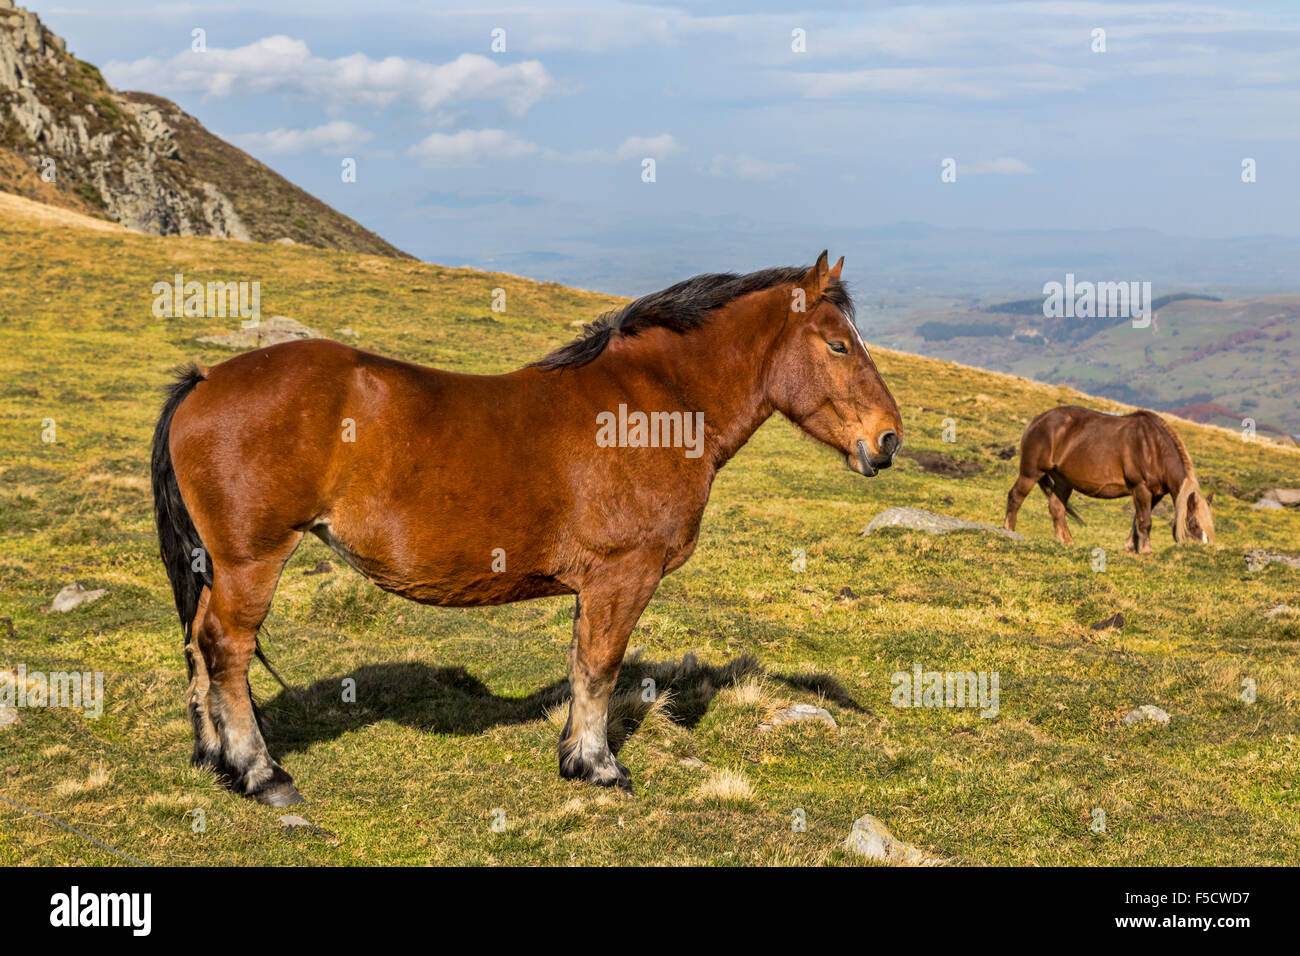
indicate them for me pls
(1070, 449)
(584, 473)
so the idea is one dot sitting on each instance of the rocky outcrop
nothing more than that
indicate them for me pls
(138, 159)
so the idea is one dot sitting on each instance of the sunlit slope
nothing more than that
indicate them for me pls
(451, 718)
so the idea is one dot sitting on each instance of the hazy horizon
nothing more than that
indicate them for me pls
(774, 131)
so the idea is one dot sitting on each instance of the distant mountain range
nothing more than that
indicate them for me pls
(67, 138)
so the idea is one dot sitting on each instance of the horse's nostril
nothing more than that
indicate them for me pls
(888, 443)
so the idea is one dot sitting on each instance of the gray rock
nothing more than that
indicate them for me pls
(8, 717)
(695, 762)
(1146, 712)
(1280, 610)
(292, 822)
(1267, 504)
(74, 595)
(1259, 559)
(873, 840)
(272, 331)
(918, 519)
(797, 714)
(1284, 497)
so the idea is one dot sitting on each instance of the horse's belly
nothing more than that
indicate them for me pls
(444, 579)
(1104, 489)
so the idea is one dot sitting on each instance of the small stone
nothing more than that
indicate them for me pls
(695, 762)
(846, 593)
(1267, 504)
(272, 331)
(322, 567)
(798, 713)
(1259, 559)
(74, 595)
(350, 333)
(1146, 712)
(918, 519)
(1280, 610)
(1115, 620)
(872, 839)
(8, 717)
(292, 822)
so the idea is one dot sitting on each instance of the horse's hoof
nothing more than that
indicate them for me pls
(624, 781)
(281, 795)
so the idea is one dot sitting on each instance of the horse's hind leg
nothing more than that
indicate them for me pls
(1016, 497)
(207, 742)
(604, 615)
(1056, 499)
(1142, 503)
(227, 639)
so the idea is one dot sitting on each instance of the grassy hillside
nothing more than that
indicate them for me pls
(456, 711)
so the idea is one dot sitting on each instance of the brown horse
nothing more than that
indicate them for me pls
(1110, 456)
(584, 473)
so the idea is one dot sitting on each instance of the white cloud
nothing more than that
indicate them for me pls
(469, 147)
(639, 147)
(747, 167)
(1004, 166)
(332, 137)
(942, 82)
(282, 64)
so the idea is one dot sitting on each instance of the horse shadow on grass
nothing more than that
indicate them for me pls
(450, 700)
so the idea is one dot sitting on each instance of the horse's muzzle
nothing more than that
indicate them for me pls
(866, 464)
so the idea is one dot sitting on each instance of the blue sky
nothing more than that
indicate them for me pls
(530, 159)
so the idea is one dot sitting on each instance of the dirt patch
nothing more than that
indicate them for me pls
(937, 463)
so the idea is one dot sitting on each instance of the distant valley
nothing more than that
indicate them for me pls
(1205, 359)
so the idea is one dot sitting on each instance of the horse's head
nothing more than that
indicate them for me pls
(822, 378)
(1193, 507)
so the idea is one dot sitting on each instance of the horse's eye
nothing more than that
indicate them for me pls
(839, 348)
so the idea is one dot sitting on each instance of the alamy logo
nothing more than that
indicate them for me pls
(1102, 300)
(74, 908)
(73, 690)
(922, 688)
(653, 430)
(213, 300)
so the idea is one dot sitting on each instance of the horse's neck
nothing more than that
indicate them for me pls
(719, 369)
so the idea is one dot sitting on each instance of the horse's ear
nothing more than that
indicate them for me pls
(835, 269)
(814, 283)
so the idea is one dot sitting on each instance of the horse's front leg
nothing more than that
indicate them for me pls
(606, 611)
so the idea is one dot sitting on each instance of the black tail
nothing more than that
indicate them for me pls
(177, 538)
(1049, 487)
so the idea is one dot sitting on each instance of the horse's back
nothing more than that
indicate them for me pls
(1102, 455)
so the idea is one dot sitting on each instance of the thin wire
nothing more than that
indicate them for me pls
(43, 816)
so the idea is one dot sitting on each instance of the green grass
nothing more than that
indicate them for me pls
(456, 713)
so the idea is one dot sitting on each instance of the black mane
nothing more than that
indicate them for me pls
(681, 307)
